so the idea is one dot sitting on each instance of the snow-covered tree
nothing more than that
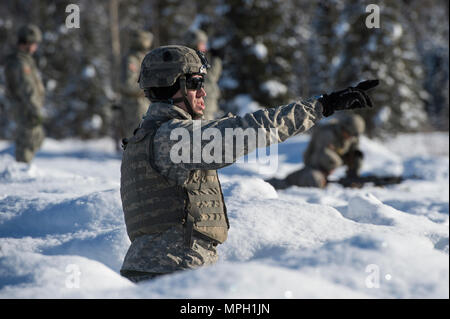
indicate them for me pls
(258, 61)
(429, 20)
(387, 53)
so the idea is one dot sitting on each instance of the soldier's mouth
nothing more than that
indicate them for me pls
(201, 105)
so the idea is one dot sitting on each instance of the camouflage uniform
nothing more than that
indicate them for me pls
(165, 251)
(26, 92)
(133, 101)
(162, 253)
(192, 38)
(327, 150)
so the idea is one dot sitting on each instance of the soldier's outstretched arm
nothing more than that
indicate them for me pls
(210, 145)
(184, 145)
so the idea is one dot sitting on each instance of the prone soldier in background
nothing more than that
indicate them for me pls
(332, 145)
(26, 91)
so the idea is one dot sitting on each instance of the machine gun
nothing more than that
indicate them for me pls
(360, 181)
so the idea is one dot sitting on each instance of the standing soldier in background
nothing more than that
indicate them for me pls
(332, 145)
(198, 40)
(26, 92)
(134, 104)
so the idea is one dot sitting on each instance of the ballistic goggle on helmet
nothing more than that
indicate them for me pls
(162, 67)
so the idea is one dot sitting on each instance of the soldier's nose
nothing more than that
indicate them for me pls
(201, 92)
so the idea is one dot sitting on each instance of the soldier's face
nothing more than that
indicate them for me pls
(147, 44)
(29, 48)
(195, 98)
(201, 46)
(33, 48)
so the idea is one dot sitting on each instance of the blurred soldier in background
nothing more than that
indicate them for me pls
(198, 40)
(133, 101)
(332, 145)
(26, 91)
(91, 96)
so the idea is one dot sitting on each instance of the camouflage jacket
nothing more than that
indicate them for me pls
(166, 252)
(287, 120)
(24, 87)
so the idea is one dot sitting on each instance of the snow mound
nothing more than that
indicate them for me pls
(39, 218)
(32, 275)
(251, 188)
(62, 233)
(368, 209)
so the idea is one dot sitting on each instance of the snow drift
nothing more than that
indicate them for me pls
(62, 233)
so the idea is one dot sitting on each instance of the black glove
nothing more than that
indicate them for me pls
(350, 98)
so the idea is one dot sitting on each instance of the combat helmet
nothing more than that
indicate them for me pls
(140, 39)
(162, 66)
(352, 123)
(171, 65)
(193, 37)
(28, 34)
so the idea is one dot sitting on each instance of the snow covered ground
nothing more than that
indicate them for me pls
(62, 233)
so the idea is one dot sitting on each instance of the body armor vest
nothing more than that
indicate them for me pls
(152, 203)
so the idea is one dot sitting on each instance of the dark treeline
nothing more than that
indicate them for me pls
(274, 51)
